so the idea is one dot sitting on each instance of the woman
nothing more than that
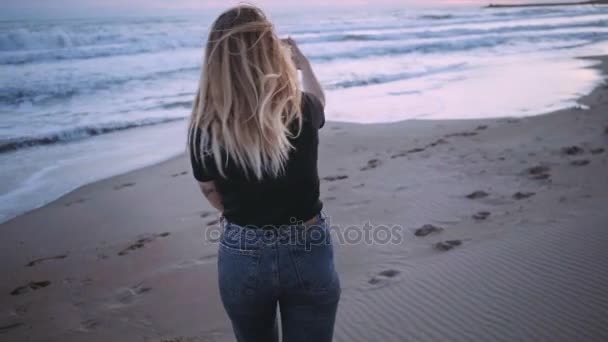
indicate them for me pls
(253, 146)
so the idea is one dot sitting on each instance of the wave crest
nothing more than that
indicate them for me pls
(78, 133)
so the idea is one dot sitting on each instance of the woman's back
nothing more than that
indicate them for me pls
(292, 196)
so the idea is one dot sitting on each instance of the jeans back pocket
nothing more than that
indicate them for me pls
(313, 259)
(238, 265)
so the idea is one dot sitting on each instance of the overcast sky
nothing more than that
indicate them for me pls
(104, 7)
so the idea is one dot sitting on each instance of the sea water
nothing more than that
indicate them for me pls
(85, 99)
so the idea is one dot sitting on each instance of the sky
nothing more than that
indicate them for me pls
(21, 8)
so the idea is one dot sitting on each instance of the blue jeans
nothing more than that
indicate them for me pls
(289, 266)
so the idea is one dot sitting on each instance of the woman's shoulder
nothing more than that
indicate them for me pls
(310, 100)
(312, 109)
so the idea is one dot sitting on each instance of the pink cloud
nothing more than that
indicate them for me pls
(134, 7)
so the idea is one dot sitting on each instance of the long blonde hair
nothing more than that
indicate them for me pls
(248, 97)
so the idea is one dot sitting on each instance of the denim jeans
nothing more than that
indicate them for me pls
(289, 266)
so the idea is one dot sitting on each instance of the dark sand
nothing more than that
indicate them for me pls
(125, 259)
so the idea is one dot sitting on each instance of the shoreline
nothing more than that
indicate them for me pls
(129, 257)
(180, 154)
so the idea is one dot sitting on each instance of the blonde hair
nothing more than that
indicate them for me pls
(248, 97)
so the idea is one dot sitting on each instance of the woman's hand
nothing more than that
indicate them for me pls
(310, 83)
(296, 54)
(212, 194)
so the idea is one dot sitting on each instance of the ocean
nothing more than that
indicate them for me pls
(86, 99)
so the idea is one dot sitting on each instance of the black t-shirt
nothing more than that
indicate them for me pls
(292, 197)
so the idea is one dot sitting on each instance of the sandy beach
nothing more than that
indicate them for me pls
(518, 252)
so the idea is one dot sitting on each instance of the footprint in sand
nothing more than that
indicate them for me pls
(438, 142)
(482, 215)
(41, 260)
(597, 151)
(572, 150)
(124, 185)
(129, 295)
(8, 327)
(541, 176)
(481, 127)
(580, 162)
(416, 150)
(357, 203)
(88, 325)
(179, 174)
(427, 229)
(405, 153)
(383, 276)
(32, 286)
(477, 194)
(399, 155)
(522, 195)
(142, 242)
(334, 178)
(139, 290)
(461, 134)
(372, 164)
(447, 245)
(359, 186)
(539, 172)
(329, 199)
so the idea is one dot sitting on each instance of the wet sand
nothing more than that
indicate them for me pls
(503, 235)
